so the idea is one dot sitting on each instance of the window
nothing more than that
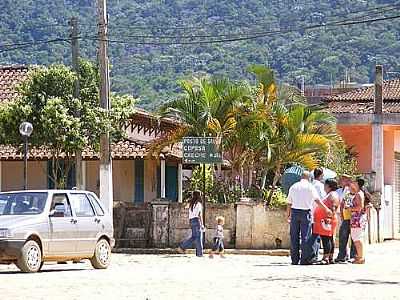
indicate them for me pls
(61, 199)
(81, 205)
(99, 210)
(22, 203)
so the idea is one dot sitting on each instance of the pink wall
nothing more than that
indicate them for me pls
(359, 136)
(388, 154)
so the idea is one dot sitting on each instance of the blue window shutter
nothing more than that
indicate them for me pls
(158, 182)
(139, 181)
(50, 183)
(171, 183)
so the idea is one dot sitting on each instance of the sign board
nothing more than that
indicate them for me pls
(201, 150)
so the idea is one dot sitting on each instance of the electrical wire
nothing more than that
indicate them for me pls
(10, 47)
(237, 35)
(150, 27)
(255, 36)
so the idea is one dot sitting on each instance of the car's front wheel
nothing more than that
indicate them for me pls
(30, 260)
(102, 255)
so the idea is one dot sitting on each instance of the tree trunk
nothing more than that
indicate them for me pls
(241, 180)
(54, 171)
(275, 181)
(264, 179)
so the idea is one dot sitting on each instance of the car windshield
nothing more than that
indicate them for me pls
(22, 203)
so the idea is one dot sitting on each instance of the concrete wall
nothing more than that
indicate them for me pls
(258, 228)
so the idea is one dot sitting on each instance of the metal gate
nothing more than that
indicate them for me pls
(396, 198)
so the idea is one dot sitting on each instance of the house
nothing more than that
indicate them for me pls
(137, 177)
(369, 120)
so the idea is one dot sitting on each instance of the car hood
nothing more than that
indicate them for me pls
(18, 221)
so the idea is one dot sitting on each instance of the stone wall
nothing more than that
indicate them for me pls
(163, 224)
(260, 228)
(179, 227)
(132, 225)
(248, 225)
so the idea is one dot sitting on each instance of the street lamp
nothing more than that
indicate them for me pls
(25, 129)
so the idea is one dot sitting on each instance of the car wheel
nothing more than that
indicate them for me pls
(102, 255)
(30, 260)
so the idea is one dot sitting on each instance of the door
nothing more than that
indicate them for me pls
(396, 198)
(63, 229)
(87, 221)
(171, 183)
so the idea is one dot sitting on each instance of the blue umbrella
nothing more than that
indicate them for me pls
(290, 177)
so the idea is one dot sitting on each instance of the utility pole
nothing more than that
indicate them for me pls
(106, 184)
(75, 65)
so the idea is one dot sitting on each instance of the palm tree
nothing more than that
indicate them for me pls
(299, 134)
(206, 108)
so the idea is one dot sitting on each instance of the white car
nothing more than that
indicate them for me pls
(54, 225)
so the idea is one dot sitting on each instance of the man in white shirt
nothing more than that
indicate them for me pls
(301, 198)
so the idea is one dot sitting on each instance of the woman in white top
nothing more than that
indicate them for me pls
(195, 211)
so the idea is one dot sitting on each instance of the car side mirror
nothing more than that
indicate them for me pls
(58, 211)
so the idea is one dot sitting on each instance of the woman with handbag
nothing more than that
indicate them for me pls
(324, 225)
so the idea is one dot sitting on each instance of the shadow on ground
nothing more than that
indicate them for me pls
(303, 279)
(42, 271)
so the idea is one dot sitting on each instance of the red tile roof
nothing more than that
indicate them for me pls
(362, 100)
(10, 76)
(122, 150)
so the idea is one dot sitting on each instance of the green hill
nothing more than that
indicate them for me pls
(151, 71)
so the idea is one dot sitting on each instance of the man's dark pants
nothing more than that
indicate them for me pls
(344, 234)
(300, 228)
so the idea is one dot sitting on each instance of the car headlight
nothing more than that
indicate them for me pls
(5, 233)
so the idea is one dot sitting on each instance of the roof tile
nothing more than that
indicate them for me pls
(10, 76)
(362, 100)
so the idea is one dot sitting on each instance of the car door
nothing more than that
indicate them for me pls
(103, 221)
(87, 222)
(63, 228)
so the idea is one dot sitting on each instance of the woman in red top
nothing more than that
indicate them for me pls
(326, 226)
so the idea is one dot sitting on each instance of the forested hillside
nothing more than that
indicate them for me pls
(148, 67)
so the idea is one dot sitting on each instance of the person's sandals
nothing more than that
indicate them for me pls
(324, 261)
(359, 261)
(180, 250)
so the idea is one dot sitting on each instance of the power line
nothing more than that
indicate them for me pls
(231, 38)
(238, 35)
(11, 47)
(255, 36)
(215, 24)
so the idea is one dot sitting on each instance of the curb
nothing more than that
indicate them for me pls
(170, 251)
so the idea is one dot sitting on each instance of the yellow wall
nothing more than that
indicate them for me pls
(123, 177)
(92, 176)
(123, 180)
(13, 175)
